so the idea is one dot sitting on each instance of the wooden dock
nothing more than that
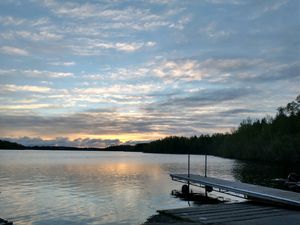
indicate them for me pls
(248, 190)
(234, 214)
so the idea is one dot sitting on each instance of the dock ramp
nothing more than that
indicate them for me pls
(288, 198)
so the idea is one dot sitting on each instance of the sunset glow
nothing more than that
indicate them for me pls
(101, 73)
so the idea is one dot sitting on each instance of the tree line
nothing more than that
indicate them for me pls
(273, 139)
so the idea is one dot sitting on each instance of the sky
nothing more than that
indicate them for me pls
(107, 72)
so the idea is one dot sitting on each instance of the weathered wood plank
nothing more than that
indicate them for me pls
(214, 211)
(220, 213)
(231, 213)
(210, 207)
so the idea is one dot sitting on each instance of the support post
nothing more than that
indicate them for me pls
(189, 168)
(189, 161)
(205, 171)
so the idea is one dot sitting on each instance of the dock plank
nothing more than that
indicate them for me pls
(250, 190)
(225, 212)
(232, 213)
(219, 210)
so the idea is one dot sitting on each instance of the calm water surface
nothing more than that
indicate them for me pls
(65, 187)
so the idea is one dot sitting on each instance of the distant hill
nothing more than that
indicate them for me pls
(63, 148)
(10, 145)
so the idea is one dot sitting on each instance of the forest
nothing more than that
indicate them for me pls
(10, 145)
(270, 139)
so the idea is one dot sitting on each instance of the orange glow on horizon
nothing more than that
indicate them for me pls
(122, 137)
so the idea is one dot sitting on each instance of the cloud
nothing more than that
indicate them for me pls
(25, 88)
(268, 7)
(276, 72)
(36, 73)
(147, 68)
(25, 106)
(39, 36)
(211, 31)
(224, 2)
(126, 47)
(94, 47)
(115, 16)
(43, 73)
(230, 64)
(227, 70)
(64, 141)
(131, 47)
(71, 63)
(181, 69)
(98, 123)
(91, 28)
(16, 21)
(203, 111)
(215, 70)
(198, 99)
(235, 111)
(9, 50)
(32, 36)
(126, 94)
(181, 23)
(212, 70)
(10, 20)
(89, 10)
(273, 6)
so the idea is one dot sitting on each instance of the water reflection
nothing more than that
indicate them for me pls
(43, 187)
(262, 173)
(83, 188)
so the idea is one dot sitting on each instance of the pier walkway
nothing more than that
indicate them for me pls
(248, 190)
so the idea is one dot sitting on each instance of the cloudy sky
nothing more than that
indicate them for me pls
(102, 72)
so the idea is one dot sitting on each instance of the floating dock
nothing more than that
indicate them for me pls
(233, 214)
(278, 196)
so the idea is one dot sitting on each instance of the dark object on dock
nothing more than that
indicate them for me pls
(5, 222)
(188, 195)
(208, 188)
(276, 196)
(185, 189)
(293, 177)
(233, 214)
(196, 197)
(291, 183)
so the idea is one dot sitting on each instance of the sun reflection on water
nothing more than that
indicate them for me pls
(44, 188)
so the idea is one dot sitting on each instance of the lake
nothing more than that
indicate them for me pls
(70, 187)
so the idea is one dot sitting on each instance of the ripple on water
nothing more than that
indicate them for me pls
(47, 187)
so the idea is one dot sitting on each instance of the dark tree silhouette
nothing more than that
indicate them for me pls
(268, 139)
